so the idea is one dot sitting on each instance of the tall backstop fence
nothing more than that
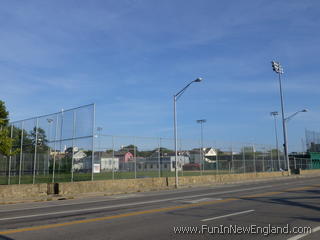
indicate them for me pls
(66, 147)
(51, 148)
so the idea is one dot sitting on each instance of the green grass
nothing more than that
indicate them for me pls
(66, 177)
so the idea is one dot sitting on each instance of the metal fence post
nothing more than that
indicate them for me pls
(10, 157)
(179, 159)
(73, 136)
(254, 159)
(21, 154)
(135, 157)
(49, 141)
(35, 152)
(201, 159)
(243, 160)
(61, 134)
(263, 168)
(272, 161)
(159, 155)
(232, 161)
(55, 149)
(112, 138)
(217, 163)
(93, 128)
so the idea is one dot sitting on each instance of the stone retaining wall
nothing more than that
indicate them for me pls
(9, 193)
(312, 171)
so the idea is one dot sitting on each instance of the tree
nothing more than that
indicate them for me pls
(131, 148)
(5, 140)
(42, 141)
(3, 115)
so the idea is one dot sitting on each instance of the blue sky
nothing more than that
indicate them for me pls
(130, 57)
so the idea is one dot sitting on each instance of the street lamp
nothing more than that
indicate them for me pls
(175, 99)
(287, 119)
(277, 68)
(201, 121)
(275, 114)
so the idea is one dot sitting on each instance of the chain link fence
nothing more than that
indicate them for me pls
(300, 163)
(51, 148)
(140, 157)
(65, 147)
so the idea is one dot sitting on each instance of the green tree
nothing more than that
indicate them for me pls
(5, 140)
(130, 148)
(42, 141)
(4, 114)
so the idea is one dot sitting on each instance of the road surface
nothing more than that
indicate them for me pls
(287, 208)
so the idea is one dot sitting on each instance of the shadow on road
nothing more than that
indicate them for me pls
(309, 219)
(5, 238)
(306, 202)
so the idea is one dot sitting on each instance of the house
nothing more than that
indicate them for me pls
(81, 161)
(209, 154)
(165, 163)
(124, 156)
(108, 162)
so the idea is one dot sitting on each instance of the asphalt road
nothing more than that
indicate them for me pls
(233, 211)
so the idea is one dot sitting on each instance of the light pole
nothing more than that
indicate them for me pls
(287, 119)
(201, 121)
(175, 99)
(279, 70)
(275, 114)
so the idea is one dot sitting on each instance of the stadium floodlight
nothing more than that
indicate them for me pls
(175, 99)
(276, 67)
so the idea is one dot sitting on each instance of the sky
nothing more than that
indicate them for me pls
(130, 57)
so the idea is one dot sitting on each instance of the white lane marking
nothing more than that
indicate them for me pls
(199, 200)
(316, 229)
(123, 196)
(154, 201)
(228, 215)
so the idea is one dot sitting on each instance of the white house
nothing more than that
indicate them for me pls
(210, 155)
(109, 164)
(167, 163)
(81, 161)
